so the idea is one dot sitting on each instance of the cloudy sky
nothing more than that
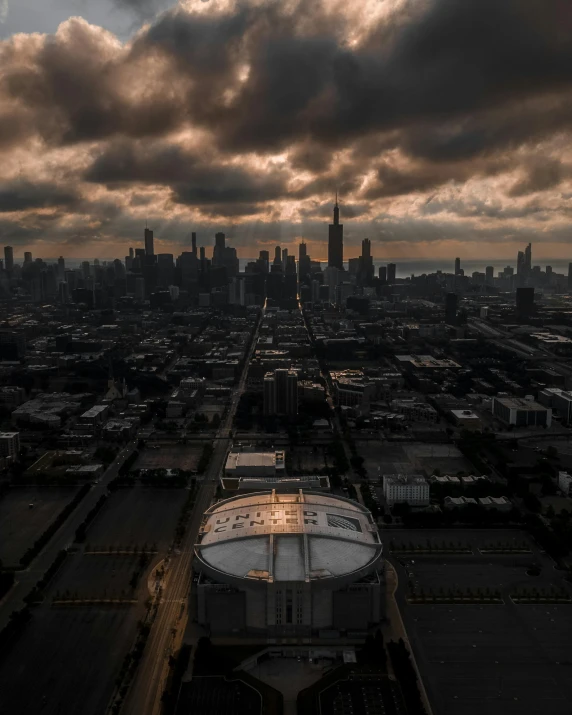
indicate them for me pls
(444, 124)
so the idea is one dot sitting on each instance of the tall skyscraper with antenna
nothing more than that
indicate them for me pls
(149, 243)
(336, 240)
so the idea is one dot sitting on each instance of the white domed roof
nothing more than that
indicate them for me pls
(288, 537)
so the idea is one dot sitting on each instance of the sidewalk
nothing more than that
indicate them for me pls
(395, 628)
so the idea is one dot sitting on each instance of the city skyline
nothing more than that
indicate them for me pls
(199, 141)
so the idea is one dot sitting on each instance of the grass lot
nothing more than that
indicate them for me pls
(170, 456)
(474, 658)
(66, 661)
(137, 517)
(306, 459)
(20, 526)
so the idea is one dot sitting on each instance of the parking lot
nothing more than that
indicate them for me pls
(37, 678)
(170, 456)
(411, 458)
(99, 576)
(493, 659)
(138, 517)
(21, 525)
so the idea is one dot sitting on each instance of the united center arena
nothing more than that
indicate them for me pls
(289, 565)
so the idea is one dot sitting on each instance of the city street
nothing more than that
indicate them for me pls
(144, 697)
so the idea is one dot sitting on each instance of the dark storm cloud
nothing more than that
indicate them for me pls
(76, 87)
(450, 61)
(393, 181)
(443, 91)
(478, 208)
(311, 157)
(24, 195)
(193, 180)
(541, 175)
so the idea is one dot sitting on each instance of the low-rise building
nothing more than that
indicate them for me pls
(9, 444)
(118, 429)
(353, 389)
(48, 408)
(409, 489)
(458, 502)
(467, 419)
(558, 399)
(521, 412)
(95, 416)
(415, 411)
(175, 408)
(565, 483)
(498, 503)
(12, 396)
(309, 391)
(255, 464)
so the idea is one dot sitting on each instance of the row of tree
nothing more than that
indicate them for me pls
(81, 531)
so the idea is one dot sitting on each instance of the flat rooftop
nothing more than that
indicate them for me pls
(518, 403)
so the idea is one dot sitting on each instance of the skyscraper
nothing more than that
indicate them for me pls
(149, 246)
(220, 241)
(218, 250)
(304, 262)
(366, 261)
(27, 257)
(336, 241)
(194, 243)
(9, 258)
(264, 258)
(269, 393)
(281, 392)
(528, 258)
(570, 276)
(391, 270)
(457, 266)
(277, 256)
(165, 270)
(489, 275)
(382, 272)
(131, 253)
(520, 264)
(225, 256)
